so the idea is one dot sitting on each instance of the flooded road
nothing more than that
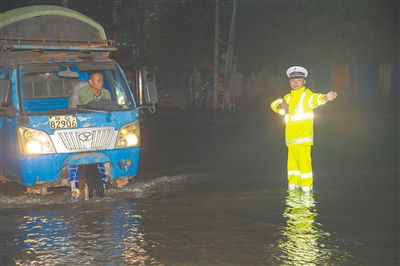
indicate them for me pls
(212, 191)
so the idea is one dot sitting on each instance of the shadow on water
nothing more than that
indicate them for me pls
(303, 240)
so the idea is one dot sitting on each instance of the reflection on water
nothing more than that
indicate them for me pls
(102, 234)
(303, 239)
(38, 233)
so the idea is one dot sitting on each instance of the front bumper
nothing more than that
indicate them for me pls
(48, 169)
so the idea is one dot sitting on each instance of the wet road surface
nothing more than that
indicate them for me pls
(212, 191)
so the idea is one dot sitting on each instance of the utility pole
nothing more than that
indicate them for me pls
(115, 5)
(229, 60)
(216, 56)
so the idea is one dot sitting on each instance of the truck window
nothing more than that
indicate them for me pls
(43, 89)
(46, 85)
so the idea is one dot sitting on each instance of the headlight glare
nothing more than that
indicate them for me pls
(33, 147)
(41, 138)
(132, 140)
(129, 136)
(33, 142)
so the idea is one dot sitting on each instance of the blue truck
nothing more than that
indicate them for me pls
(48, 138)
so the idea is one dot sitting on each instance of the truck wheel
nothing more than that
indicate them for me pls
(90, 183)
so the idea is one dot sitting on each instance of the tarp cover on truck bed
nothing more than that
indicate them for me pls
(28, 28)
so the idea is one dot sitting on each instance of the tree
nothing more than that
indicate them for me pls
(276, 34)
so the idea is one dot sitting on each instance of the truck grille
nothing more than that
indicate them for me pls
(84, 139)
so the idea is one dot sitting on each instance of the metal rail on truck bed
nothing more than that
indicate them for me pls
(56, 45)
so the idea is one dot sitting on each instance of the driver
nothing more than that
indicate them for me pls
(94, 89)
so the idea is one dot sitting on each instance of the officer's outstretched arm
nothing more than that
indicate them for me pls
(330, 96)
(317, 99)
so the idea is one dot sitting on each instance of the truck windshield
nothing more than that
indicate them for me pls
(73, 86)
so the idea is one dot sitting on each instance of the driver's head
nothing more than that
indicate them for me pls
(96, 82)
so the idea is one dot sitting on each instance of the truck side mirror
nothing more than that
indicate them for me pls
(150, 93)
(150, 99)
(5, 98)
(5, 92)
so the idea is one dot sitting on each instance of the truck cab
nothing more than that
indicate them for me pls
(49, 135)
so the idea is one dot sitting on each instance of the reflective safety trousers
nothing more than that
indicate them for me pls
(299, 118)
(299, 166)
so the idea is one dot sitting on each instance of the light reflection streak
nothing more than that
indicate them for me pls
(302, 239)
(110, 234)
(40, 236)
(125, 224)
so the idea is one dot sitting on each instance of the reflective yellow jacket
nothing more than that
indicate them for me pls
(299, 119)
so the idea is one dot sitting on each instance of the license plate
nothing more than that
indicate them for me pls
(62, 121)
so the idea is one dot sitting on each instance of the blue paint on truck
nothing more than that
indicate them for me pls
(44, 128)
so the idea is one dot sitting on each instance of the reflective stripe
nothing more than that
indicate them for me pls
(292, 186)
(299, 117)
(293, 172)
(286, 118)
(301, 109)
(306, 188)
(302, 116)
(288, 99)
(276, 102)
(319, 99)
(302, 140)
(299, 140)
(310, 101)
(274, 106)
(306, 175)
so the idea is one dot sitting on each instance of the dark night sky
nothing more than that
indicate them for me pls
(269, 33)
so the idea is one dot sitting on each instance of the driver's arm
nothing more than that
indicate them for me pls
(105, 94)
(84, 95)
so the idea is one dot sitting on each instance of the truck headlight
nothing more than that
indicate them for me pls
(128, 136)
(32, 142)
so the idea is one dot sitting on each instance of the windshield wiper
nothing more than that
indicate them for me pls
(90, 110)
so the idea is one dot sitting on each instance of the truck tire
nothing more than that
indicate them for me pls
(90, 183)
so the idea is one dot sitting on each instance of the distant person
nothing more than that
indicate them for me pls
(94, 89)
(297, 107)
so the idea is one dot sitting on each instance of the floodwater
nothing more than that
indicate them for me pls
(212, 191)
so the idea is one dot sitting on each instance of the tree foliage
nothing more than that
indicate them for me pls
(272, 34)
(180, 36)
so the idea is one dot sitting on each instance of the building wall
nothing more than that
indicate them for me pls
(360, 84)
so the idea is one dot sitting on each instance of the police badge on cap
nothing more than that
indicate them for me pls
(296, 72)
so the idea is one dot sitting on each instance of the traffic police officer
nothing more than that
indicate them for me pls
(297, 108)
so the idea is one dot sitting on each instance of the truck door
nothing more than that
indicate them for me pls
(8, 122)
(3, 90)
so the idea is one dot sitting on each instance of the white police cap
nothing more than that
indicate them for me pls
(296, 72)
